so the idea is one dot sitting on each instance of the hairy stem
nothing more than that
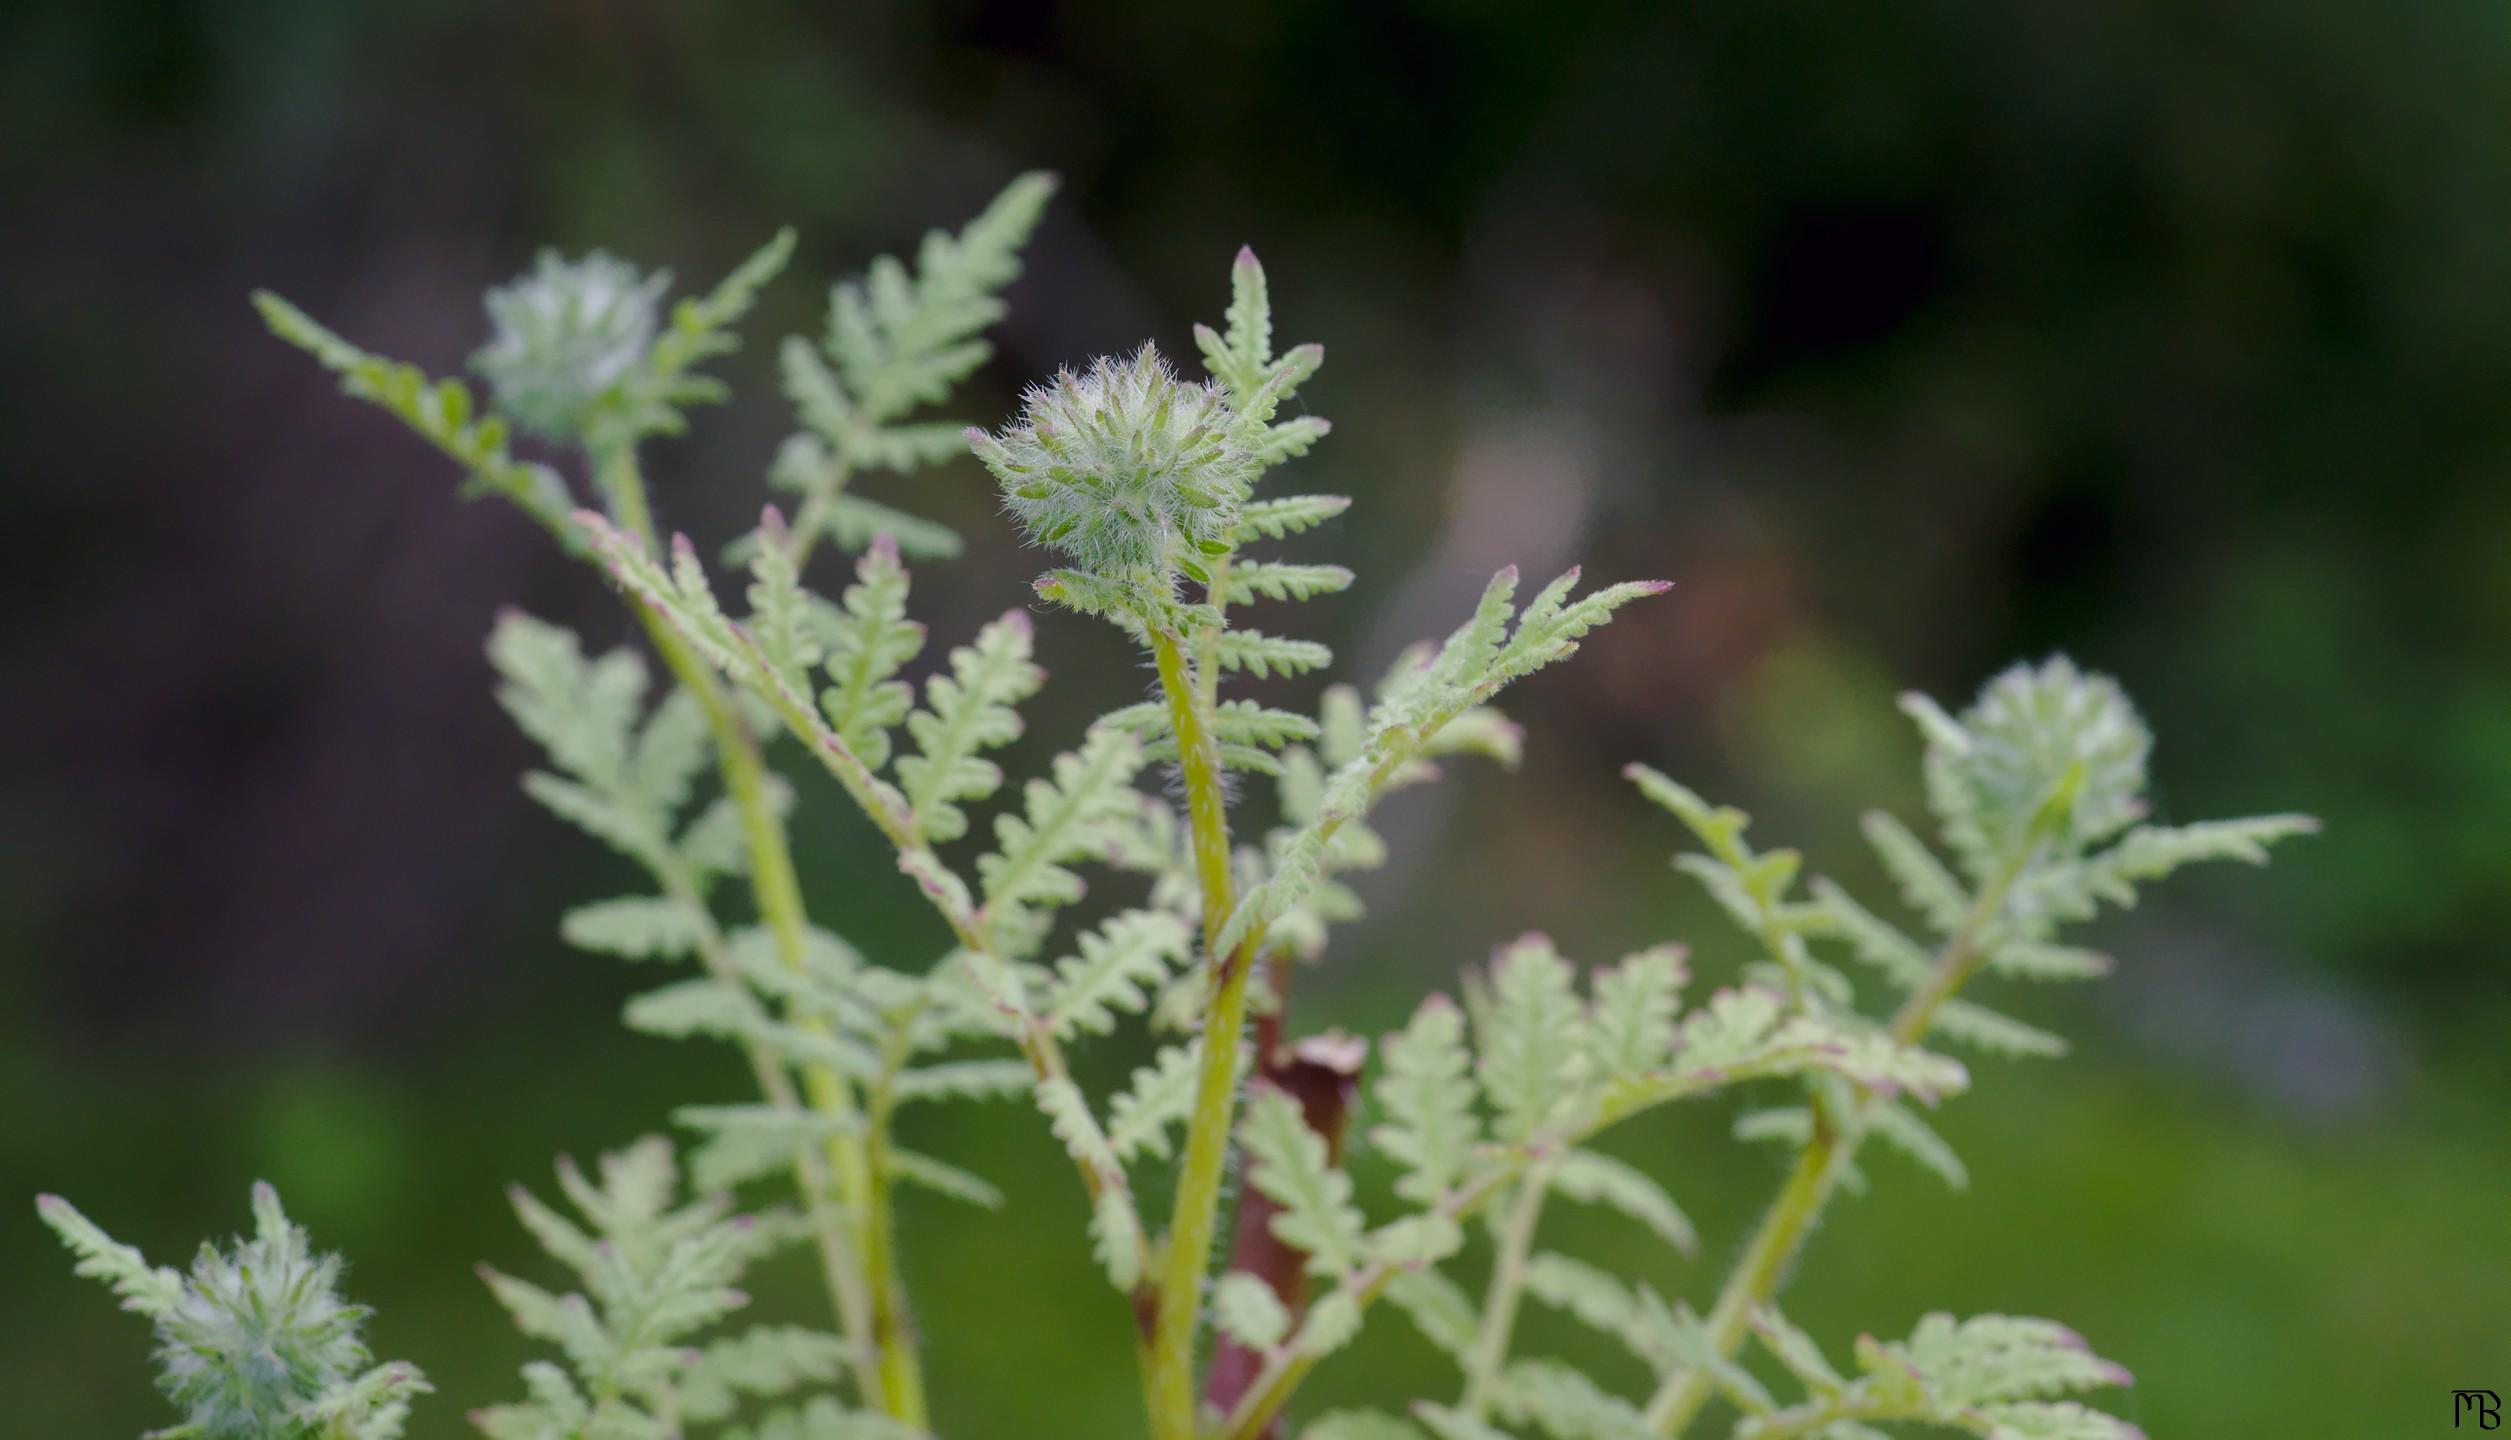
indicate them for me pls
(1810, 1185)
(1508, 1282)
(778, 894)
(893, 1327)
(1224, 1018)
(1322, 1073)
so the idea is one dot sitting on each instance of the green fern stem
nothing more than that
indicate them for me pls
(1508, 1283)
(1827, 1158)
(1171, 1359)
(868, 1291)
(810, 1174)
(893, 1326)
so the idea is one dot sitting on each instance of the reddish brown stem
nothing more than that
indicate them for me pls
(1322, 1073)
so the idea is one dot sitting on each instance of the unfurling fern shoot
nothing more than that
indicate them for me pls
(1153, 492)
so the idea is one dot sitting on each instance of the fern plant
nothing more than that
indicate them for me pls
(1154, 494)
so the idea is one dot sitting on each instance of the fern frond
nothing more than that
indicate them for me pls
(971, 709)
(903, 340)
(635, 927)
(1439, 1308)
(1876, 941)
(1246, 1310)
(1750, 1031)
(655, 1274)
(1635, 1005)
(1277, 580)
(1239, 358)
(1925, 884)
(1427, 1091)
(255, 1339)
(962, 1080)
(1598, 1179)
(1566, 1404)
(1288, 515)
(151, 1290)
(2150, 852)
(1116, 1238)
(1080, 811)
(1287, 1161)
(868, 641)
(1798, 1353)
(586, 713)
(1159, 1096)
(1265, 655)
(897, 340)
(712, 1007)
(1900, 1127)
(928, 1173)
(1532, 1037)
(1068, 1114)
(1118, 968)
(1597, 1299)
(1415, 705)
(1991, 1375)
(2025, 960)
(764, 1362)
(1969, 1023)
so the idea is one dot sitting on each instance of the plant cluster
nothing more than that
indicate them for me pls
(1155, 493)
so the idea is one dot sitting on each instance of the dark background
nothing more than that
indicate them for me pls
(1907, 340)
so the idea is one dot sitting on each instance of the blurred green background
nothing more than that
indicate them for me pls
(1907, 340)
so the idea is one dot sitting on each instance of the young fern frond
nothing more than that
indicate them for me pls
(254, 1342)
(2038, 789)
